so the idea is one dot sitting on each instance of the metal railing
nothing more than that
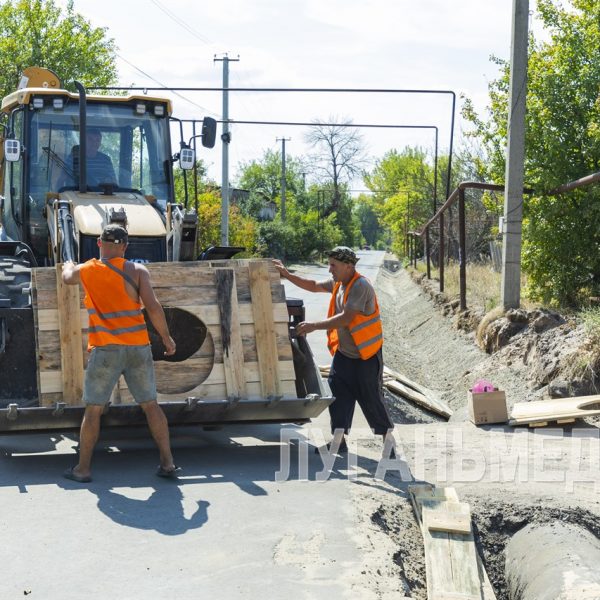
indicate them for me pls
(458, 195)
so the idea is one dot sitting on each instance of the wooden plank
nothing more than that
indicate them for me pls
(452, 563)
(70, 340)
(231, 333)
(262, 307)
(450, 558)
(434, 405)
(407, 382)
(209, 314)
(540, 412)
(446, 521)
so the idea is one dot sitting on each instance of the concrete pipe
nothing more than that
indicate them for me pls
(555, 561)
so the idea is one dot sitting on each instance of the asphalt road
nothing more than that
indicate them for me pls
(226, 529)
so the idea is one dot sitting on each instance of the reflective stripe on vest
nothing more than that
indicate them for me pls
(114, 318)
(366, 330)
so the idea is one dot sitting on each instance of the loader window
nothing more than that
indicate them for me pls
(137, 146)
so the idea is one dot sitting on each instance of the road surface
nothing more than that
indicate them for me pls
(226, 529)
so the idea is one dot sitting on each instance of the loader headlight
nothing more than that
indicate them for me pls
(140, 108)
(38, 103)
(159, 110)
(58, 103)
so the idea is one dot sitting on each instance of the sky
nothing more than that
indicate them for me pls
(390, 44)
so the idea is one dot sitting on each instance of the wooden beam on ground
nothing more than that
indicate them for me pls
(563, 410)
(266, 346)
(69, 324)
(395, 383)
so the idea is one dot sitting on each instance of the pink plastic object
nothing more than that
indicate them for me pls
(483, 385)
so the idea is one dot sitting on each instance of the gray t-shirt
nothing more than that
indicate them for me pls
(360, 298)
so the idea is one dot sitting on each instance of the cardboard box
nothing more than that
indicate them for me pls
(487, 407)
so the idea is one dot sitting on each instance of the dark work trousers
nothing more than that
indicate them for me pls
(355, 380)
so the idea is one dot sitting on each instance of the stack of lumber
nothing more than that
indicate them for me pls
(409, 390)
(452, 564)
(562, 410)
(255, 363)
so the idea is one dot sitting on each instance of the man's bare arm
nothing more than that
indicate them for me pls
(154, 309)
(310, 285)
(70, 273)
(342, 319)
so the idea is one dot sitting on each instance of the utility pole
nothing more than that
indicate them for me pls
(226, 139)
(283, 141)
(515, 159)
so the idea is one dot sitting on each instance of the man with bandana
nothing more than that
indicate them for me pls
(354, 338)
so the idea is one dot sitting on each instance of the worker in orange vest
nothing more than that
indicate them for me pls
(354, 339)
(119, 344)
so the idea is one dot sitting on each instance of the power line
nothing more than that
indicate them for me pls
(164, 87)
(181, 22)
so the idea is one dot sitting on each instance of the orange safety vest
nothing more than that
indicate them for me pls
(114, 318)
(366, 330)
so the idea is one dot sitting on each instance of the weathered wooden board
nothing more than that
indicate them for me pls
(451, 561)
(404, 387)
(210, 373)
(69, 329)
(262, 308)
(563, 410)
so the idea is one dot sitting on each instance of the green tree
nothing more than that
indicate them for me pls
(37, 33)
(561, 239)
(262, 178)
(243, 230)
(402, 186)
(370, 228)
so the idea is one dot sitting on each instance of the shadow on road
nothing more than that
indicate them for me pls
(253, 459)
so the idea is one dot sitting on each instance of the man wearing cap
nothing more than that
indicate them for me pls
(118, 342)
(354, 339)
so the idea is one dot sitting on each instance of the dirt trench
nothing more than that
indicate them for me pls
(423, 344)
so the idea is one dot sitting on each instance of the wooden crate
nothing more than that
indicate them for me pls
(258, 361)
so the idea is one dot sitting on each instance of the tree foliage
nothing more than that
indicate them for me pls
(262, 178)
(37, 33)
(402, 186)
(243, 230)
(561, 240)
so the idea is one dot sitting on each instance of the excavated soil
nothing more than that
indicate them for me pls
(426, 345)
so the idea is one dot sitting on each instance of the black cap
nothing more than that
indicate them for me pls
(115, 234)
(343, 254)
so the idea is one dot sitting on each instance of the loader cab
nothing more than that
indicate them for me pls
(132, 136)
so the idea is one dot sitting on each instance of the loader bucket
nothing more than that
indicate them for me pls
(240, 365)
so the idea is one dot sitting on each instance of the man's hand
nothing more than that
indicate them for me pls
(169, 343)
(305, 327)
(70, 273)
(279, 266)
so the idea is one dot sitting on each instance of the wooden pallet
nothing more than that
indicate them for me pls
(452, 564)
(257, 361)
(560, 411)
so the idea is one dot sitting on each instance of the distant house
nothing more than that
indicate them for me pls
(267, 212)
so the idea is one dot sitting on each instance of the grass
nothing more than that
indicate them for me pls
(483, 285)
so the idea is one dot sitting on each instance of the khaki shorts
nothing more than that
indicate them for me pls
(107, 363)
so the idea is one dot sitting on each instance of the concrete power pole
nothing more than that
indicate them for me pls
(515, 159)
(226, 139)
(283, 141)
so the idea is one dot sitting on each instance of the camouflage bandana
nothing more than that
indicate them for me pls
(343, 254)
